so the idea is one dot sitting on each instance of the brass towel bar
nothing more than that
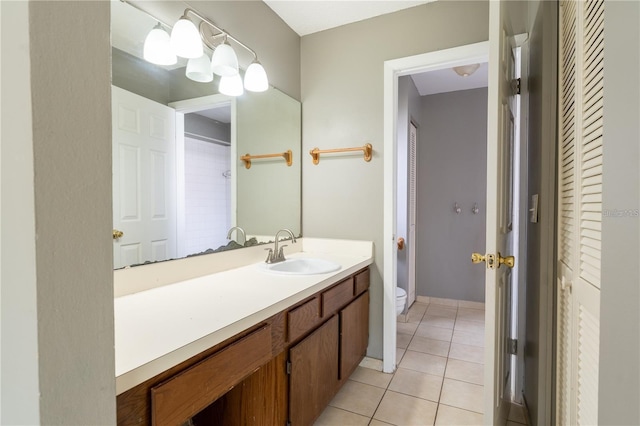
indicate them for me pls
(287, 155)
(367, 150)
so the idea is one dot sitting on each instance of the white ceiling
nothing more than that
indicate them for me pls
(446, 80)
(221, 114)
(310, 16)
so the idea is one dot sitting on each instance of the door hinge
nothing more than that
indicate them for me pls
(288, 367)
(516, 86)
(512, 346)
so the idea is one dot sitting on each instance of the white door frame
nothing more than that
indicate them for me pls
(447, 58)
(188, 106)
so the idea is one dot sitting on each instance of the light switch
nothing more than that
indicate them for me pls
(533, 211)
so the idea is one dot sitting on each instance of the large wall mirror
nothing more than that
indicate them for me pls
(179, 184)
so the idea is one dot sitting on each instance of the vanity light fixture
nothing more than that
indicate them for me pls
(199, 69)
(255, 78)
(466, 70)
(231, 85)
(187, 41)
(157, 49)
(224, 61)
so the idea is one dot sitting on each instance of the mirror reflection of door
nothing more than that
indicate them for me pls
(204, 192)
(144, 162)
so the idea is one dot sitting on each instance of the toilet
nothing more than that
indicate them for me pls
(401, 299)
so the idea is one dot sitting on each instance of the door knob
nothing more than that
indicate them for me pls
(117, 234)
(493, 261)
(400, 243)
(510, 261)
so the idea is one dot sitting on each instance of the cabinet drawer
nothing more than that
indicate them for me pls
(362, 282)
(303, 318)
(181, 397)
(336, 297)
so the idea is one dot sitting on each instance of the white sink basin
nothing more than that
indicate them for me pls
(300, 266)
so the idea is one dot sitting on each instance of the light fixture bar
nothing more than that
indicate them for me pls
(135, 6)
(217, 28)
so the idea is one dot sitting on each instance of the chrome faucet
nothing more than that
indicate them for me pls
(238, 230)
(276, 254)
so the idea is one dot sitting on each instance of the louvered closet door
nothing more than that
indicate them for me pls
(580, 210)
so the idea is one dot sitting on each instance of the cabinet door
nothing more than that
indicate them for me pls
(314, 373)
(354, 335)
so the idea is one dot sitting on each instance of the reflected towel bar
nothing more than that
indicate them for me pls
(367, 149)
(288, 157)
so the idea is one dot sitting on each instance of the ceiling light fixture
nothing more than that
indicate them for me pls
(187, 41)
(466, 70)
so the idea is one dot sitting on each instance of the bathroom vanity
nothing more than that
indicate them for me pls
(244, 346)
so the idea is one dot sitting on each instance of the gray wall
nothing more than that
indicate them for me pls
(452, 168)
(540, 253)
(342, 92)
(268, 196)
(409, 109)
(153, 82)
(619, 391)
(66, 142)
(19, 375)
(73, 212)
(204, 128)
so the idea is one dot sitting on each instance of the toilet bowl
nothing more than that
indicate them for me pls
(401, 300)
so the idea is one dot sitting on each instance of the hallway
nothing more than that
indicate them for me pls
(439, 379)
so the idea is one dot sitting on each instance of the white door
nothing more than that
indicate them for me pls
(144, 179)
(581, 138)
(411, 244)
(500, 135)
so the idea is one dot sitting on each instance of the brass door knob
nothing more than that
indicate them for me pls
(400, 243)
(510, 261)
(117, 234)
(493, 261)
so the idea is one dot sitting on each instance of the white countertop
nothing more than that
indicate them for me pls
(161, 327)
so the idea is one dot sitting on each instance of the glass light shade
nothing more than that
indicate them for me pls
(231, 86)
(255, 79)
(224, 61)
(199, 69)
(185, 39)
(157, 49)
(466, 70)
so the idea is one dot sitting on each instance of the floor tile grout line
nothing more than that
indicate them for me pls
(444, 374)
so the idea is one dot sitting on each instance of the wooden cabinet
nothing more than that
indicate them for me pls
(325, 359)
(286, 369)
(354, 335)
(184, 395)
(314, 373)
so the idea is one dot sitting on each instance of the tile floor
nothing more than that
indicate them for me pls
(439, 379)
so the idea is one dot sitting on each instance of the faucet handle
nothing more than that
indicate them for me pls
(269, 255)
(281, 252)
